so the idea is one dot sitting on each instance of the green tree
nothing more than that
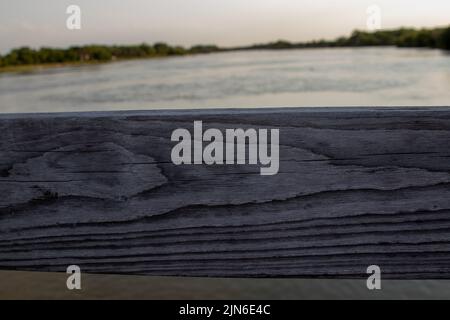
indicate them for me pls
(147, 50)
(99, 53)
(203, 49)
(11, 59)
(424, 38)
(177, 51)
(25, 55)
(73, 54)
(444, 39)
(161, 48)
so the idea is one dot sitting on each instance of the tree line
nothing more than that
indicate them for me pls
(96, 53)
(403, 37)
(438, 38)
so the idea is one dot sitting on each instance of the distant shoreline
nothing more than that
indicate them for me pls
(31, 68)
(38, 67)
(29, 60)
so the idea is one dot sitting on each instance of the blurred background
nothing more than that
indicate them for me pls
(234, 53)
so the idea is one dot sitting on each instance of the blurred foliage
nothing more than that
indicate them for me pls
(96, 53)
(404, 37)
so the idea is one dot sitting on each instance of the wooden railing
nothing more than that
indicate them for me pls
(355, 187)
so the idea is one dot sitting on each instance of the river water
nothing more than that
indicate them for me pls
(311, 77)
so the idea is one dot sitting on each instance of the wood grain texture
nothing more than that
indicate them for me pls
(356, 187)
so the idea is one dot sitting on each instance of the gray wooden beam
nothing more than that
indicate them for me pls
(356, 187)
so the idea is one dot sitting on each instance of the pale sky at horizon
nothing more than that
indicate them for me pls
(186, 22)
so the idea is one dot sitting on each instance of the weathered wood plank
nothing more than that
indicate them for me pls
(356, 187)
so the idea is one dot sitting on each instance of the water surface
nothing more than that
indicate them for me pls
(311, 77)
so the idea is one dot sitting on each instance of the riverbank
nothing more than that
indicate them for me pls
(39, 67)
(25, 59)
(30, 68)
(46, 66)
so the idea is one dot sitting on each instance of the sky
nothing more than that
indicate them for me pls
(38, 23)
